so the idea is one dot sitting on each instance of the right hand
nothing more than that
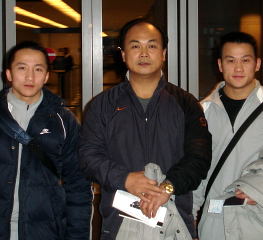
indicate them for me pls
(242, 195)
(139, 185)
(150, 209)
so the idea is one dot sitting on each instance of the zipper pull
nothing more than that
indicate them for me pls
(146, 119)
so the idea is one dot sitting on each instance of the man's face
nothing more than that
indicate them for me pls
(238, 65)
(143, 52)
(28, 74)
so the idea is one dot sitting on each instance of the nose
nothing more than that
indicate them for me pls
(30, 74)
(239, 66)
(144, 52)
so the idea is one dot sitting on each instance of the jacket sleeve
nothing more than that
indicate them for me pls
(251, 181)
(194, 165)
(78, 189)
(94, 157)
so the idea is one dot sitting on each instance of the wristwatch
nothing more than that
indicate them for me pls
(167, 186)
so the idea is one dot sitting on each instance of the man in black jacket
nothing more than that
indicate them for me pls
(144, 119)
(43, 194)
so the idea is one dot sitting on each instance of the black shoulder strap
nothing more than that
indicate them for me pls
(231, 145)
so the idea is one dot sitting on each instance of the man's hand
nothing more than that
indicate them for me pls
(139, 185)
(242, 195)
(151, 207)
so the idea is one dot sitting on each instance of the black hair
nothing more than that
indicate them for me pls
(10, 57)
(130, 24)
(238, 37)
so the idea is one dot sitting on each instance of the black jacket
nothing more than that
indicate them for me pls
(118, 137)
(48, 210)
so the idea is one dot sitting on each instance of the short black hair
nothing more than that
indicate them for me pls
(127, 26)
(238, 37)
(10, 57)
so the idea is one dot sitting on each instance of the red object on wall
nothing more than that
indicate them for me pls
(51, 54)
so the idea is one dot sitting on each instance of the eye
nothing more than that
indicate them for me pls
(21, 67)
(152, 46)
(39, 69)
(245, 60)
(230, 60)
(135, 46)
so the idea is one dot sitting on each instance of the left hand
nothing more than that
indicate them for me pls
(150, 208)
(242, 195)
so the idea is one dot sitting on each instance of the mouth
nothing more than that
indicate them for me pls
(238, 76)
(143, 63)
(28, 86)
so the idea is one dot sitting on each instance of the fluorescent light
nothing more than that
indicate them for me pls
(26, 24)
(103, 34)
(26, 13)
(64, 8)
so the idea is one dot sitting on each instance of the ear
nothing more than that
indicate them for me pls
(8, 75)
(123, 55)
(164, 54)
(219, 63)
(258, 64)
(46, 78)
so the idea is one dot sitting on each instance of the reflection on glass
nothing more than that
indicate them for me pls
(60, 34)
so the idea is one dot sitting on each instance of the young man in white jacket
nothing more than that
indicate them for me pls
(226, 108)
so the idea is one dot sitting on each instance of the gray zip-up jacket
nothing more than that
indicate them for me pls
(242, 222)
(245, 152)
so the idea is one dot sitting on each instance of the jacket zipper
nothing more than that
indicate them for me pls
(146, 139)
(14, 147)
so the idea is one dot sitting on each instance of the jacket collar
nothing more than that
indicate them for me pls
(154, 99)
(7, 123)
(11, 127)
(161, 84)
(215, 96)
(50, 102)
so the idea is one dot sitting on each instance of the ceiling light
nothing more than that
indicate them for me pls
(64, 8)
(103, 34)
(26, 13)
(26, 24)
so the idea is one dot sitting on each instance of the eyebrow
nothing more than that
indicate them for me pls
(137, 41)
(248, 55)
(37, 65)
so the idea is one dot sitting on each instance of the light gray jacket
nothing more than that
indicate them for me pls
(243, 222)
(245, 152)
(173, 228)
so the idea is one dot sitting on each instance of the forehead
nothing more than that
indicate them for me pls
(29, 56)
(237, 49)
(143, 31)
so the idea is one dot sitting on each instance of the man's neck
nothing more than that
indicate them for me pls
(144, 87)
(239, 93)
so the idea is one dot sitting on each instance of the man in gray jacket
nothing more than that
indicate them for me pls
(226, 108)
